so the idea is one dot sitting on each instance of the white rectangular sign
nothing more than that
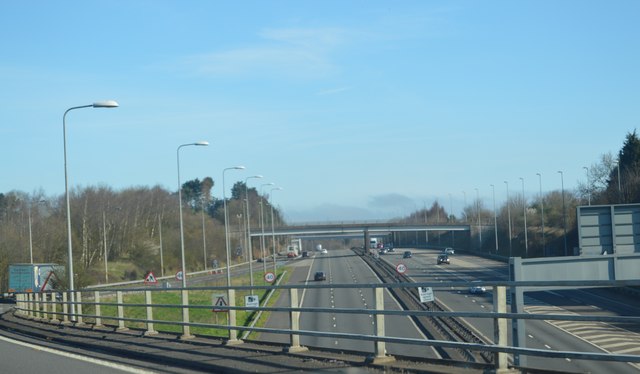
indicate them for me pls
(426, 294)
(252, 301)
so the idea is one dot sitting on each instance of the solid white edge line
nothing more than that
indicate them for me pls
(78, 357)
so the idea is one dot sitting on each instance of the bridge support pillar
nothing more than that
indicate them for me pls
(233, 333)
(186, 329)
(79, 321)
(119, 301)
(500, 329)
(380, 351)
(148, 301)
(65, 309)
(294, 318)
(96, 300)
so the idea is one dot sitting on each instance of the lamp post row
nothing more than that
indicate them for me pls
(70, 271)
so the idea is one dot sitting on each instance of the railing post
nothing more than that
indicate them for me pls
(79, 321)
(186, 331)
(36, 303)
(31, 305)
(147, 301)
(96, 299)
(233, 333)
(54, 307)
(294, 318)
(500, 328)
(45, 305)
(65, 309)
(380, 351)
(121, 326)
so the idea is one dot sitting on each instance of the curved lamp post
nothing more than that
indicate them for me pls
(273, 233)
(184, 270)
(226, 222)
(246, 194)
(98, 104)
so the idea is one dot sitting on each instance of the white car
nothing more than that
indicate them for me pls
(324, 251)
(448, 251)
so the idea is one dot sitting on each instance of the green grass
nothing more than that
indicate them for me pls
(204, 315)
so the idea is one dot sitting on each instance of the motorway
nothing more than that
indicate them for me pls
(19, 356)
(555, 335)
(345, 267)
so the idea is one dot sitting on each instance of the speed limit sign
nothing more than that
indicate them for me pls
(269, 277)
(401, 268)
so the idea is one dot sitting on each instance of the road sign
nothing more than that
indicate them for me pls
(426, 294)
(269, 277)
(401, 268)
(179, 275)
(219, 300)
(252, 301)
(150, 278)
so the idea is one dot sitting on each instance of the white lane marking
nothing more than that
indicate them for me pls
(78, 357)
(548, 346)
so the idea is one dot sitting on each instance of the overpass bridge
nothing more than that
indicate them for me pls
(363, 229)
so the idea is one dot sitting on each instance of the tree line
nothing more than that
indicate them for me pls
(132, 227)
(610, 180)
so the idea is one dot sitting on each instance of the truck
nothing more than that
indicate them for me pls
(33, 277)
(373, 243)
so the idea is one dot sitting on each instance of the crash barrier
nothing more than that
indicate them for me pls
(140, 308)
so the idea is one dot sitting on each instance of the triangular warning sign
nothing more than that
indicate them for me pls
(150, 278)
(221, 302)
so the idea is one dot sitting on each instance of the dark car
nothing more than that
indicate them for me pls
(320, 276)
(406, 254)
(443, 259)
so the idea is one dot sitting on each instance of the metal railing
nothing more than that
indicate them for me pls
(97, 306)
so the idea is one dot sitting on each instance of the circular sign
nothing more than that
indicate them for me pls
(269, 277)
(401, 268)
(179, 275)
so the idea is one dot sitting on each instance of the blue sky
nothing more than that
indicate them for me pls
(357, 109)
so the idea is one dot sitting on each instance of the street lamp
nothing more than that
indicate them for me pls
(478, 214)
(564, 212)
(495, 215)
(98, 104)
(249, 248)
(586, 170)
(226, 222)
(184, 270)
(544, 252)
(524, 211)
(619, 185)
(204, 234)
(264, 257)
(273, 234)
(466, 219)
(509, 218)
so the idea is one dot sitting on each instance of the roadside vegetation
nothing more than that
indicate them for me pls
(132, 229)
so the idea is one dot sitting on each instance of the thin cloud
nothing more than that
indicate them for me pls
(333, 91)
(290, 52)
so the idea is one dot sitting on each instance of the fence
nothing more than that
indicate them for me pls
(143, 306)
